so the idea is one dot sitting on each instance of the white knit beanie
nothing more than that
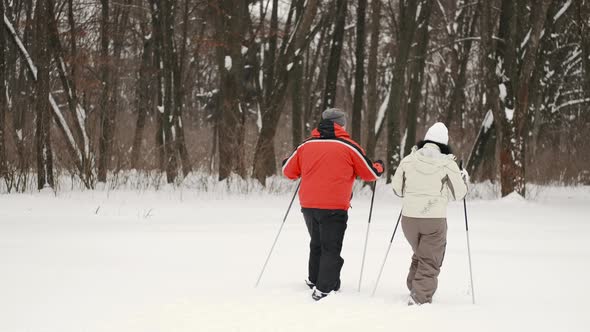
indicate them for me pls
(438, 133)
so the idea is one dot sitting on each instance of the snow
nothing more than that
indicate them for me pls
(261, 72)
(503, 92)
(509, 113)
(402, 145)
(488, 121)
(20, 45)
(68, 133)
(228, 62)
(81, 116)
(418, 10)
(289, 66)
(526, 39)
(381, 112)
(55, 108)
(259, 118)
(244, 50)
(186, 260)
(19, 134)
(570, 103)
(562, 10)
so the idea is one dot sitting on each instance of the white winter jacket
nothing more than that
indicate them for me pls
(427, 179)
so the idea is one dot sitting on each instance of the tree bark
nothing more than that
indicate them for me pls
(297, 104)
(3, 101)
(359, 76)
(168, 60)
(406, 30)
(335, 51)
(105, 124)
(460, 56)
(293, 46)
(417, 76)
(372, 93)
(43, 120)
(179, 67)
(143, 93)
(584, 24)
(77, 112)
(516, 69)
(229, 61)
(297, 91)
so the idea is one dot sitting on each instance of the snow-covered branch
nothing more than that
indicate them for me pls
(570, 103)
(33, 69)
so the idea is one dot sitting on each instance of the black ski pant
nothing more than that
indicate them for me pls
(326, 228)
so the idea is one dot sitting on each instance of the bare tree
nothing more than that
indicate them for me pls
(583, 9)
(43, 120)
(359, 76)
(105, 113)
(407, 27)
(335, 51)
(3, 101)
(293, 46)
(372, 92)
(230, 131)
(144, 89)
(513, 65)
(417, 75)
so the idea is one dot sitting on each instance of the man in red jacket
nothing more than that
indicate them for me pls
(328, 162)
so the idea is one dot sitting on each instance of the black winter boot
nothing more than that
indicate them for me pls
(318, 295)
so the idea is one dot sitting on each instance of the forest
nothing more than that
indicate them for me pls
(90, 89)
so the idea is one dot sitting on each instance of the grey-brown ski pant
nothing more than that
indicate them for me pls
(428, 239)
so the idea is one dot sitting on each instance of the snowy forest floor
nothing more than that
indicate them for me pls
(186, 260)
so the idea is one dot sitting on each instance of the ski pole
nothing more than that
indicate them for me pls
(277, 237)
(386, 253)
(468, 246)
(367, 236)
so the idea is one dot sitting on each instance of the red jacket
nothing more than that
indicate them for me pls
(328, 163)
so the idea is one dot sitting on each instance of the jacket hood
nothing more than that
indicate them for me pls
(329, 129)
(429, 159)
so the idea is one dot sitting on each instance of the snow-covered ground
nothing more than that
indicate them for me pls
(186, 260)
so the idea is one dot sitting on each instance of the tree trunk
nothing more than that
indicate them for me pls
(313, 111)
(77, 112)
(417, 77)
(229, 61)
(518, 68)
(43, 120)
(22, 106)
(584, 24)
(297, 90)
(297, 104)
(483, 150)
(158, 62)
(406, 30)
(143, 93)
(180, 88)
(359, 76)
(335, 51)
(372, 93)
(293, 46)
(460, 57)
(168, 60)
(105, 124)
(3, 101)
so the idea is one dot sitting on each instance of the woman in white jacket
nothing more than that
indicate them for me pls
(427, 179)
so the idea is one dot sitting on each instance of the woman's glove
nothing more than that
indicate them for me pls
(465, 175)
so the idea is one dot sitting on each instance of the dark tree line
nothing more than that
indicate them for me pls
(91, 89)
